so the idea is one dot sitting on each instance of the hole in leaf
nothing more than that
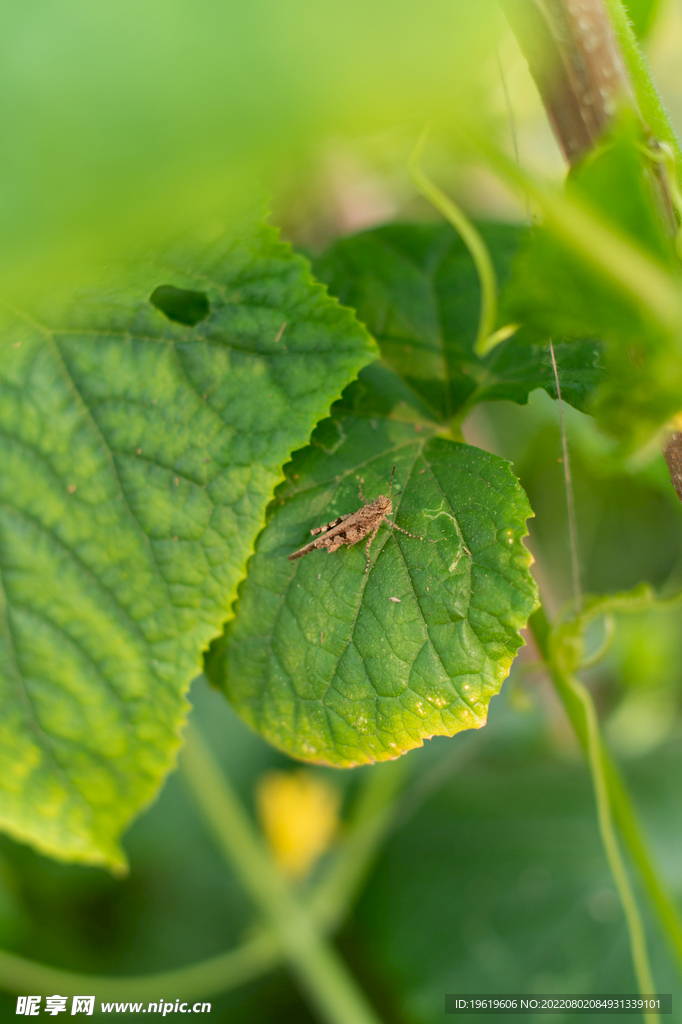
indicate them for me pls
(180, 304)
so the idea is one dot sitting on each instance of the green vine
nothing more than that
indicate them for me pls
(562, 650)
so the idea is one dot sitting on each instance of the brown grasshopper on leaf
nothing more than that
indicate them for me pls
(352, 527)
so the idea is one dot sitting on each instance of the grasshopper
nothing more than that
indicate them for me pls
(354, 526)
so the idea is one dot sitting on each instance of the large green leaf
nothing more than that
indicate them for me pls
(139, 452)
(415, 286)
(338, 666)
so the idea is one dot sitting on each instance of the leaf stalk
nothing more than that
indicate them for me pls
(323, 975)
(486, 337)
(613, 801)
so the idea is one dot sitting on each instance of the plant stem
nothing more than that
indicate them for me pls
(216, 974)
(573, 56)
(474, 243)
(372, 818)
(638, 948)
(672, 453)
(648, 100)
(620, 803)
(323, 975)
(586, 61)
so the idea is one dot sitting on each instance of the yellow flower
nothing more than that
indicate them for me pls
(299, 815)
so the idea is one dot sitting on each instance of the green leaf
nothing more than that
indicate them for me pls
(415, 286)
(336, 666)
(139, 455)
(556, 292)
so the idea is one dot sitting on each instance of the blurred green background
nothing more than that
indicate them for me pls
(125, 123)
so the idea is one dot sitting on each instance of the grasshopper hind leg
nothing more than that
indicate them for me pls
(369, 544)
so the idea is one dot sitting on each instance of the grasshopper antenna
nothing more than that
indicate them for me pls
(390, 486)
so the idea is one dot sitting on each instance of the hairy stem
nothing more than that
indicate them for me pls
(574, 58)
(648, 100)
(672, 452)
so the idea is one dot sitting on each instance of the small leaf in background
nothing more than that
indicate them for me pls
(336, 666)
(554, 292)
(416, 289)
(139, 454)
